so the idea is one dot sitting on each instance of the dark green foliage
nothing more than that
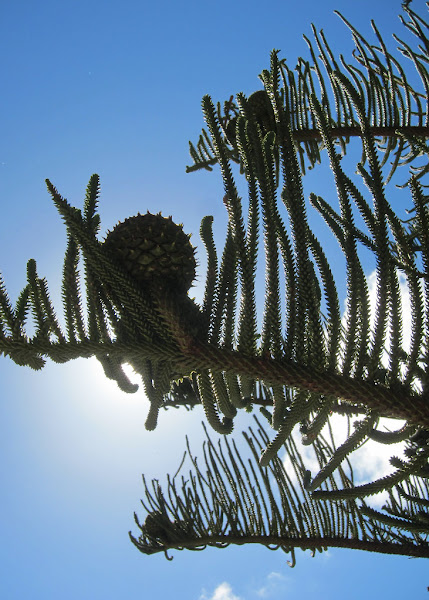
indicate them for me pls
(296, 358)
(231, 499)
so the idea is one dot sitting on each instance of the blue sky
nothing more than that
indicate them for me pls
(115, 88)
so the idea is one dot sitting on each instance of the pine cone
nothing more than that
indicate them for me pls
(155, 251)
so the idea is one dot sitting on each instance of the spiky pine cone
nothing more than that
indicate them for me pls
(155, 251)
(159, 257)
(158, 526)
(259, 106)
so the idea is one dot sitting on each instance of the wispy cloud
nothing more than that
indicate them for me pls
(370, 461)
(222, 592)
(274, 584)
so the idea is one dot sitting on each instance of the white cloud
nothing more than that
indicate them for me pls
(275, 583)
(405, 301)
(370, 461)
(405, 310)
(222, 592)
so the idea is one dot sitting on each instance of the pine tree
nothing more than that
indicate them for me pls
(300, 361)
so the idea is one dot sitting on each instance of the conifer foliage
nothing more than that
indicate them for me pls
(299, 359)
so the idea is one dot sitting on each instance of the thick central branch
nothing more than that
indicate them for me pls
(312, 543)
(410, 407)
(195, 357)
(301, 135)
